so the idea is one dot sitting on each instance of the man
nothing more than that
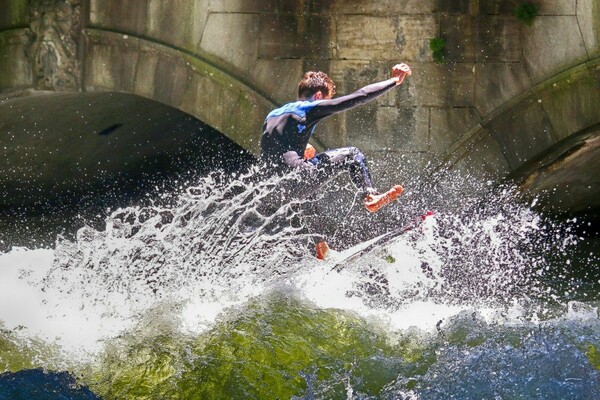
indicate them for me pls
(287, 130)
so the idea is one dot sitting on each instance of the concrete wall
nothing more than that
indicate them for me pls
(506, 92)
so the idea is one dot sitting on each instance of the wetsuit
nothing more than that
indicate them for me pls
(287, 130)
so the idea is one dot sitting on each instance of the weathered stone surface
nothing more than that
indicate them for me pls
(229, 61)
(498, 38)
(523, 132)
(366, 37)
(125, 16)
(544, 60)
(557, 7)
(99, 72)
(271, 6)
(494, 7)
(442, 85)
(565, 178)
(232, 38)
(588, 17)
(145, 73)
(171, 80)
(225, 105)
(455, 7)
(459, 32)
(169, 21)
(372, 128)
(279, 78)
(385, 7)
(15, 14)
(447, 125)
(497, 83)
(15, 68)
(483, 38)
(482, 159)
(573, 103)
(414, 33)
(289, 36)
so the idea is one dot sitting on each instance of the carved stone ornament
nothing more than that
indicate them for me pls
(55, 26)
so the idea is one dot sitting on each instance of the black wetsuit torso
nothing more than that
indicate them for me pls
(287, 129)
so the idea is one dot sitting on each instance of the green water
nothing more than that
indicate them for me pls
(280, 347)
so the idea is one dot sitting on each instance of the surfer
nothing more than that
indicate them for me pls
(287, 130)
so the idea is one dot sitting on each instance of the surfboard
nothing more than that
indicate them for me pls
(341, 258)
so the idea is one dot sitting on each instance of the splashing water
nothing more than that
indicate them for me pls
(217, 296)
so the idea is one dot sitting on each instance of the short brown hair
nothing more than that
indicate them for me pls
(313, 82)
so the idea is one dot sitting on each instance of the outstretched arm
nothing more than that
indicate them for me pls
(370, 92)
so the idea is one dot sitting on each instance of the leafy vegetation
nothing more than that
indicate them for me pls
(526, 12)
(438, 46)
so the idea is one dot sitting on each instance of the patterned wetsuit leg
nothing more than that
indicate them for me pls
(349, 158)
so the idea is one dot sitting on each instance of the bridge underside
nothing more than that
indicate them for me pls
(67, 158)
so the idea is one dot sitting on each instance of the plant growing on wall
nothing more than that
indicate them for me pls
(437, 46)
(526, 12)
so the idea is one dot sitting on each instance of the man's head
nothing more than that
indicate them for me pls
(314, 82)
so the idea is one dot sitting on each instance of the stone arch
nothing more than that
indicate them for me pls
(546, 140)
(195, 85)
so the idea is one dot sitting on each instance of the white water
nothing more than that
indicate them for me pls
(216, 248)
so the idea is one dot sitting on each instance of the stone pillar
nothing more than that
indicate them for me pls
(56, 30)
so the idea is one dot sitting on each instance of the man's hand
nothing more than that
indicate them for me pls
(400, 71)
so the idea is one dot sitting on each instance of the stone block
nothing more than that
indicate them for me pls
(374, 128)
(171, 80)
(232, 38)
(573, 104)
(169, 21)
(146, 72)
(459, 32)
(99, 74)
(15, 67)
(455, 6)
(217, 101)
(541, 54)
(545, 7)
(442, 85)
(485, 38)
(556, 7)
(385, 7)
(271, 6)
(125, 59)
(497, 83)
(125, 16)
(496, 7)
(448, 125)
(481, 161)
(498, 38)
(588, 17)
(15, 14)
(366, 37)
(289, 36)
(414, 33)
(279, 78)
(523, 132)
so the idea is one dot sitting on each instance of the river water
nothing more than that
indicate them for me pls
(215, 294)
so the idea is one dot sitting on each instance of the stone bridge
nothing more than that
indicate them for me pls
(509, 98)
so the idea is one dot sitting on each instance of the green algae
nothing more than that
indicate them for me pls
(273, 348)
(593, 354)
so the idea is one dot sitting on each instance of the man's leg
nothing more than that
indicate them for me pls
(331, 161)
(354, 160)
